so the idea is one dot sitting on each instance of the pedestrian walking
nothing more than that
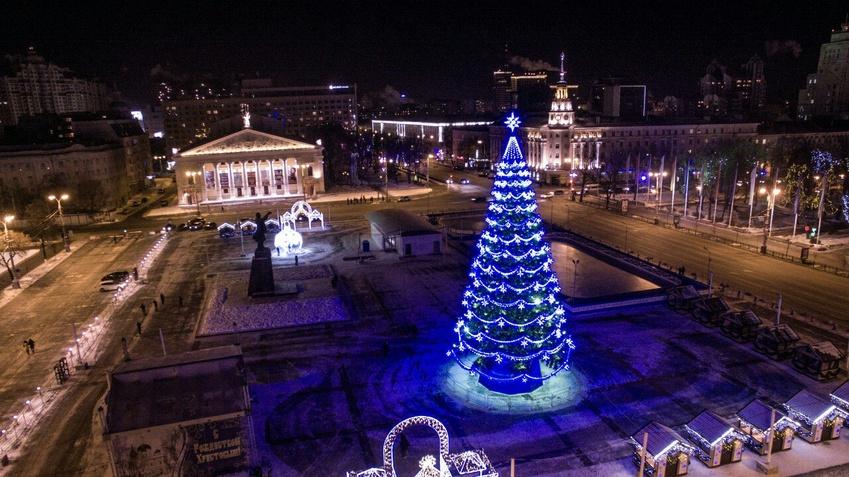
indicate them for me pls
(138, 327)
(26, 346)
(143, 309)
(155, 306)
(31, 344)
(296, 260)
(180, 301)
(162, 298)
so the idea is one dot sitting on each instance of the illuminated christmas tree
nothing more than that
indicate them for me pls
(512, 331)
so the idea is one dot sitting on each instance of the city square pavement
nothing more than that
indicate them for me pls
(325, 401)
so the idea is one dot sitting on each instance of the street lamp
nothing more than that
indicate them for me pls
(59, 200)
(770, 201)
(7, 219)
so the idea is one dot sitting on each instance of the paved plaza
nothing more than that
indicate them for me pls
(325, 403)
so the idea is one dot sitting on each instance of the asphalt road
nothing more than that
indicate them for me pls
(46, 310)
(820, 294)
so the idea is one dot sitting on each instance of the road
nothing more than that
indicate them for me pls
(820, 294)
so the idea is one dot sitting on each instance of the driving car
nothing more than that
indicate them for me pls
(546, 195)
(479, 199)
(464, 181)
(114, 281)
(450, 180)
(559, 192)
(195, 224)
(404, 198)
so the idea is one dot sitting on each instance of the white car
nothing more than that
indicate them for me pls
(546, 195)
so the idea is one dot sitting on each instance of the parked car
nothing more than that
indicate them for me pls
(209, 225)
(709, 310)
(483, 174)
(404, 198)
(464, 181)
(163, 202)
(114, 281)
(135, 203)
(682, 298)
(546, 195)
(559, 192)
(144, 200)
(740, 326)
(479, 198)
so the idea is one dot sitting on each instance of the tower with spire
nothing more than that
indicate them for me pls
(561, 113)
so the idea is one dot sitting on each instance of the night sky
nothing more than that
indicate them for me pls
(425, 49)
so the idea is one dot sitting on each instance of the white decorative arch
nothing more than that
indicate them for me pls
(389, 443)
(302, 208)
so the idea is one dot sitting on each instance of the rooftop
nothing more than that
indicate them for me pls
(809, 405)
(709, 426)
(155, 391)
(758, 414)
(660, 438)
(400, 222)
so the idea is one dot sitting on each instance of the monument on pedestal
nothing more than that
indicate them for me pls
(261, 282)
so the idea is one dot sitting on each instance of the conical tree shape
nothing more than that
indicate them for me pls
(511, 333)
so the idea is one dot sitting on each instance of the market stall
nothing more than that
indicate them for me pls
(777, 341)
(754, 422)
(819, 360)
(717, 442)
(740, 326)
(667, 453)
(709, 310)
(818, 419)
(840, 397)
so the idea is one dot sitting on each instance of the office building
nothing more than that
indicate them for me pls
(102, 160)
(189, 121)
(826, 92)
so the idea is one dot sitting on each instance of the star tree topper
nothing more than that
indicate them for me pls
(512, 122)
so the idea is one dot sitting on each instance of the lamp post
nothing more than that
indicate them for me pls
(6, 220)
(59, 200)
(770, 201)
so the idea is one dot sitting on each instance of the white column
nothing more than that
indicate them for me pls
(597, 153)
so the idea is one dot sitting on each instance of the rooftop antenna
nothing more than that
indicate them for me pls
(562, 67)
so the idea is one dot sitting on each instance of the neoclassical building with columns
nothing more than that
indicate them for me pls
(249, 165)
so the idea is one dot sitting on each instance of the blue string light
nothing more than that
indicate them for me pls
(511, 333)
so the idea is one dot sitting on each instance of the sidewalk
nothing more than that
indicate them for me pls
(8, 293)
(394, 191)
(834, 261)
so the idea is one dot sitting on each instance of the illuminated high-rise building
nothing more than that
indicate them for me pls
(826, 92)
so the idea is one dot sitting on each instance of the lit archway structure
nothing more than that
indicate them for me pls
(470, 463)
(301, 208)
(389, 442)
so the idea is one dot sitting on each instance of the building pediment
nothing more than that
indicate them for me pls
(247, 140)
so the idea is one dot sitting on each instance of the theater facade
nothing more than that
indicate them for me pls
(249, 165)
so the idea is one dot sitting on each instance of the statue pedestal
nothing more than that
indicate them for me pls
(261, 282)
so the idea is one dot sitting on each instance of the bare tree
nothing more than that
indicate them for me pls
(13, 243)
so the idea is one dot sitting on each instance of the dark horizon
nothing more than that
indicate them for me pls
(432, 50)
